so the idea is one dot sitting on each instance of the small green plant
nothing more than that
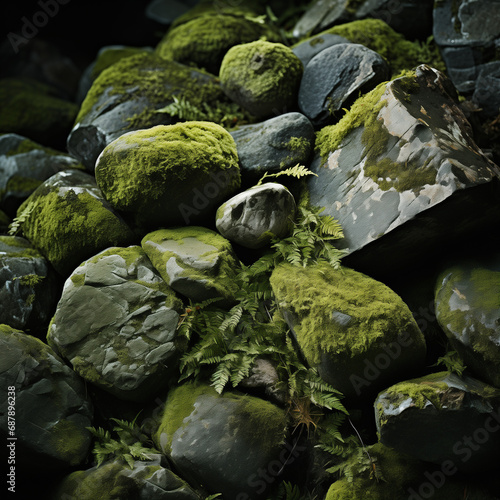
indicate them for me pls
(298, 172)
(453, 363)
(127, 448)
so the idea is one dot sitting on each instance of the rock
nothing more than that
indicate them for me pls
(50, 403)
(335, 77)
(195, 261)
(204, 40)
(487, 90)
(442, 418)
(354, 329)
(147, 479)
(395, 199)
(307, 49)
(221, 441)
(250, 78)
(413, 18)
(264, 377)
(68, 220)
(468, 310)
(116, 324)
(467, 33)
(255, 216)
(169, 175)
(273, 145)
(28, 289)
(5, 222)
(113, 106)
(24, 165)
(167, 11)
(34, 110)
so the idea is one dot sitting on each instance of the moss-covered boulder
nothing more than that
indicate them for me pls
(44, 407)
(169, 175)
(398, 201)
(467, 308)
(255, 216)
(33, 109)
(262, 77)
(5, 222)
(116, 324)
(354, 329)
(195, 261)
(114, 106)
(28, 289)
(204, 40)
(221, 441)
(68, 220)
(442, 418)
(115, 480)
(24, 165)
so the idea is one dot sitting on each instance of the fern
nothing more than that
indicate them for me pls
(298, 172)
(16, 225)
(453, 363)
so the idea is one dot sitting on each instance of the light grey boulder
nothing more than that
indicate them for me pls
(195, 261)
(48, 404)
(116, 324)
(252, 218)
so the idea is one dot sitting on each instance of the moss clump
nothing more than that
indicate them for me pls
(71, 441)
(158, 79)
(378, 315)
(20, 247)
(111, 55)
(26, 145)
(144, 172)
(262, 76)
(380, 37)
(204, 40)
(68, 228)
(32, 109)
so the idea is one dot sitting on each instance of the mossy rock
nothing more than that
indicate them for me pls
(169, 175)
(68, 220)
(52, 409)
(220, 441)
(5, 222)
(442, 417)
(468, 310)
(354, 329)
(116, 324)
(204, 40)
(262, 77)
(195, 261)
(32, 109)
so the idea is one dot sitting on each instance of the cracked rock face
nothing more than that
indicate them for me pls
(116, 324)
(410, 164)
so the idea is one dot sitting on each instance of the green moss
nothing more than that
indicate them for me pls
(158, 79)
(71, 441)
(313, 293)
(380, 37)
(204, 40)
(69, 228)
(18, 184)
(78, 279)
(26, 145)
(111, 55)
(20, 247)
(87, 371)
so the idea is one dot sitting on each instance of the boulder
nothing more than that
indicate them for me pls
(49, 402)
(28, 289)
(249, 76)
(222, 441)
(169, 175)
(355, 330)
(68, 220)
(312, 46)
(35, 110)
(194, 261)
(443, 419)
(116, 324)
(335, 77)
(146, 480)
(113, 106)
(204, 40)
(273, 145)
(487, 91)
(467, 308)
(399, 169)
(24, 165)
(254, 217)
(5, 222)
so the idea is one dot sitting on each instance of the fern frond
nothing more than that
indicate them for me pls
(298, 171)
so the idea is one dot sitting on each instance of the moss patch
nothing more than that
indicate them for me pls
(111, 55)
(71, 441)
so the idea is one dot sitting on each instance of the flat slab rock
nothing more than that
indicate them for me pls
(444, 419)
(116, 324)
(402, 177)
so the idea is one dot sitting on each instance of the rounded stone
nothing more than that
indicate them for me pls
(262, 77)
